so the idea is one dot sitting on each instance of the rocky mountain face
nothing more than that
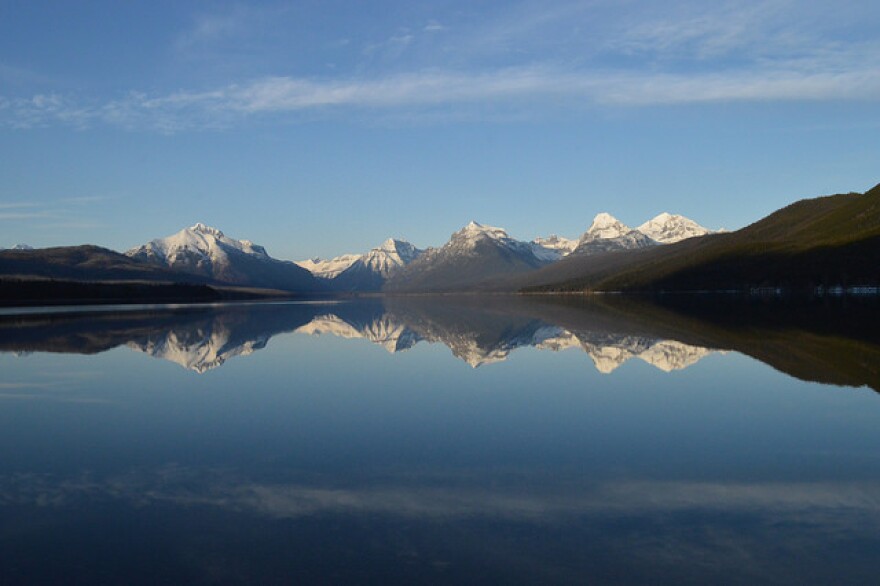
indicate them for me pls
(472, 254)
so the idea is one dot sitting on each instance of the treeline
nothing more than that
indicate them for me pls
(14, 291)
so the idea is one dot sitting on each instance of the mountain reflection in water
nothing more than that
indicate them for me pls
(825, 342)
(327, 459)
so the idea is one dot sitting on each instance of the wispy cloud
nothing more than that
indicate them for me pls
(85, 199)
(529, 59)
(71, 212)
(275, 95)
(17, 205)
(5, 216)
(208, 28)
(705, 31)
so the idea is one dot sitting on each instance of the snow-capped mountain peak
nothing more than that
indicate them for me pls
(607, 226)
(390, 256)
(475, 230)
(205, 229)
(400, 248)
(667, 228)
(198, 239)
(205, 251)
(389, 245)
(607, 233)
(367, 271)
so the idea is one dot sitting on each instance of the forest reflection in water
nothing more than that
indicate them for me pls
(831, 341)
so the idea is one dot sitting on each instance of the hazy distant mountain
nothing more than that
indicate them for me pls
(667, 228)
(329, 268)
(474, 253)
(607, 233)
(364, 272)
(561, 246)
(19, 247)
(205, 251)
(373, 269)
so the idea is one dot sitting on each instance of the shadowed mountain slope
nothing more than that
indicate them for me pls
(832, 240)
(86, 263)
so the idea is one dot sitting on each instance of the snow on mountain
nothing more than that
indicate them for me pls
(556, 244)
(473, 254)
(607, 233)
(468, 240)
(206, 251)
(390, 256)
(667, 228)
(546, 254)
(328, 269)
(606, 226)
(201, 247)
(382, 261)
(19, 247)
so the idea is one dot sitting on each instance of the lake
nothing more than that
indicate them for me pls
(442, 440)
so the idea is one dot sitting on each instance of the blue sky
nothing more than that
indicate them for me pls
(317, 128)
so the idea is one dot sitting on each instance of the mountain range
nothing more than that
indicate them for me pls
(823, 242)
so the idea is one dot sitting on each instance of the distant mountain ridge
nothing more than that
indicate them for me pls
(364, 272)
(824, 242)
(473, 253)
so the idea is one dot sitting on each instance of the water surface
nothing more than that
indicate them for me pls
(452, 440)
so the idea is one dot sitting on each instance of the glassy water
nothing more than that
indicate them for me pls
(454, 440)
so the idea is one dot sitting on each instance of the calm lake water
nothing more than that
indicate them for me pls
(455, 440)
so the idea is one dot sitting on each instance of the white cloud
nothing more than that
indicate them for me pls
(274, 95)
(594, 54)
